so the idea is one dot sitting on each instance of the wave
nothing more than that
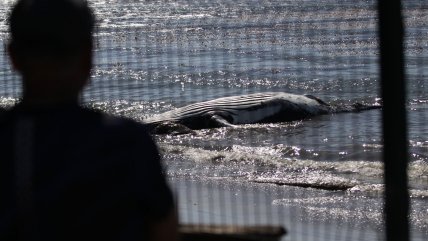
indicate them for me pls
(265, 165)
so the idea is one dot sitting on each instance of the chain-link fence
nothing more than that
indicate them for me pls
(320, 176)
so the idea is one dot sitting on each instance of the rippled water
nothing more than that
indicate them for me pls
(155, 56)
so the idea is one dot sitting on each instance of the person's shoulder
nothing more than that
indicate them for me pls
(6, 115)
(117, 124)
(2, 113)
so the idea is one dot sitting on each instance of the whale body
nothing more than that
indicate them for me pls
(267, 107)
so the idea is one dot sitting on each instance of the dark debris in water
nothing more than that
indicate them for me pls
(323, 186)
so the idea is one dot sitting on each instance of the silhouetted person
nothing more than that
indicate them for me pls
(66, 172)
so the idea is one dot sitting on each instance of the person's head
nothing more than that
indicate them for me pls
(51, 47)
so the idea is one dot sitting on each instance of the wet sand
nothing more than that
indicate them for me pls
(232, 203)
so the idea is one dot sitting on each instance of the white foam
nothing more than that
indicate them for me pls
(7, 102)
(266, 165)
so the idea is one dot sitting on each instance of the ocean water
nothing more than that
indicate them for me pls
(154, 56)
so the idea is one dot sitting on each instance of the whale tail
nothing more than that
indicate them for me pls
(356, 107)
(361, 107)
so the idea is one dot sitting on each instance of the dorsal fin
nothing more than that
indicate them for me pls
(317, 99)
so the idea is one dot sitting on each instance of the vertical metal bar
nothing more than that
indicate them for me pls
(394, 120)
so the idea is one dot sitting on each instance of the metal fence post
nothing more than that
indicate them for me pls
(394, 120)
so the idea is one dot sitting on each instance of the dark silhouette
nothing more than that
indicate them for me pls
(66, 172)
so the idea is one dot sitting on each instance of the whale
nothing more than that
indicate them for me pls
(257, 108)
